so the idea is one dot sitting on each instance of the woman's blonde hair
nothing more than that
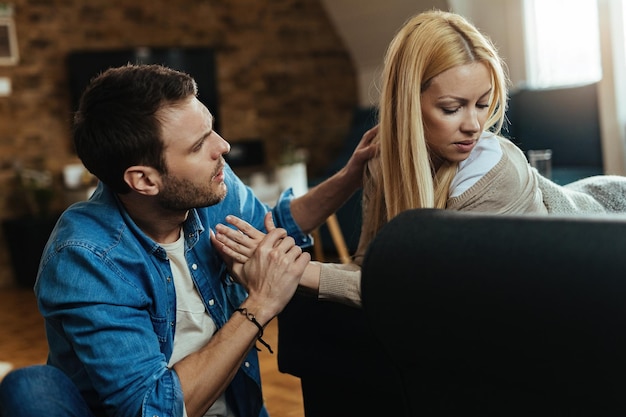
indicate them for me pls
(426, 45)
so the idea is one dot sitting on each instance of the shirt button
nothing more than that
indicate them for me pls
(169, 279)
(194, 267)
(172, 323)
(211, 302)
(246, 364)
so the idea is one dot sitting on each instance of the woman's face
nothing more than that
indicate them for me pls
(455, 108)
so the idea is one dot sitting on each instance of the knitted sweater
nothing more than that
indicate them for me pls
(597, 194)
(510, 187)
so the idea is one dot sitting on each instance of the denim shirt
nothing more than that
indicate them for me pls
(106, 292)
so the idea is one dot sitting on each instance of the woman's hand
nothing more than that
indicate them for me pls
(236, 246)
(260, 261)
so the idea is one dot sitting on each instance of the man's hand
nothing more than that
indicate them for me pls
(273, 271)
(247, 250)
(365, 150)
(313, 208)
(237, 247)
(271, 274)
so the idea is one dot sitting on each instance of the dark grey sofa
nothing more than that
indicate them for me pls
(565, 120)
(471, 314)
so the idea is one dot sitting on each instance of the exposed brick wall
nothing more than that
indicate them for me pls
(283, 74)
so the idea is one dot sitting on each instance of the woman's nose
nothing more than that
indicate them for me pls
(471, 122)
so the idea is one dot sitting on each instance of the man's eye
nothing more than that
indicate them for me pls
(198, 147)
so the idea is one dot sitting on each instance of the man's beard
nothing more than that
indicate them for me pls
(184, 194)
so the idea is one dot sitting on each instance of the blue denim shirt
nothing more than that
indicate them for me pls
(106, 292)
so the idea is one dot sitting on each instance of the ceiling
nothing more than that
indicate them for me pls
(367, 27)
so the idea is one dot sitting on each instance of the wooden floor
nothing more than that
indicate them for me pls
(23, 343)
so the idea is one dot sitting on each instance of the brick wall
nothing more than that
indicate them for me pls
(283, 74)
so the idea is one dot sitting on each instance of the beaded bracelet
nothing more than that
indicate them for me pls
(253, 319)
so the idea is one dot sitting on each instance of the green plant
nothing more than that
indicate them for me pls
(37, 190)
(292, 154)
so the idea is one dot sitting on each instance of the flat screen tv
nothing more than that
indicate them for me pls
(199, 62)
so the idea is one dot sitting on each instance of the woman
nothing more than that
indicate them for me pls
(442, 105)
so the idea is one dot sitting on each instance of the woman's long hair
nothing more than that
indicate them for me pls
(427, 45)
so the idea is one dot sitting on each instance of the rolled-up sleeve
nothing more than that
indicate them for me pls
(283, 218)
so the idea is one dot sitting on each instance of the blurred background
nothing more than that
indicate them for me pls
(288, 80)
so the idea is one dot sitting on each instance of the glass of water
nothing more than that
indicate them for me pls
(541, 159)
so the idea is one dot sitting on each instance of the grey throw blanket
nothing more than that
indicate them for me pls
(598, 194)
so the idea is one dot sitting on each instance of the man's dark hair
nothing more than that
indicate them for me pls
(116, 125)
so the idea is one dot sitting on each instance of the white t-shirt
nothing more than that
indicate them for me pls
(483, 157)
(194, 326)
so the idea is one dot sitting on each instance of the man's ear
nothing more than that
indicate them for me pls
(143, 179)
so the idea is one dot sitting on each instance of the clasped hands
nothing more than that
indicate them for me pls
(269, 265)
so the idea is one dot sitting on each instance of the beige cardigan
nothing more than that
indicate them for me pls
(510, 187)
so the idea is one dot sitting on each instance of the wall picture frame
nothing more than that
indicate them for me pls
(8, 42)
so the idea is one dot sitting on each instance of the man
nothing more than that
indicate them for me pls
(140, 310)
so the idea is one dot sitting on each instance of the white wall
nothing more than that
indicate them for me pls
(502, 21)
(366, 28)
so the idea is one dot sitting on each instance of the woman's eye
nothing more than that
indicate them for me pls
(450, 110)
(483, 106)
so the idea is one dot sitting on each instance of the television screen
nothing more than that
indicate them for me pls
(199, 62)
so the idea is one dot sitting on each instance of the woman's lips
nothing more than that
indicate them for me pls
(465, 146)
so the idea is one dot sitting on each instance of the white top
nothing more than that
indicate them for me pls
(483, 157)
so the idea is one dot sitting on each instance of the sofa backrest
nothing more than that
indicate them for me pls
(564, 119)
(501, 315)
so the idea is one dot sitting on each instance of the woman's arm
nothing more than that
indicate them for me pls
(327, 281)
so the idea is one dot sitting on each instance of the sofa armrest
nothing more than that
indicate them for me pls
(511, 315)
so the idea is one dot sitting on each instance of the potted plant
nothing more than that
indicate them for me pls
(27, 234)
(291, 169)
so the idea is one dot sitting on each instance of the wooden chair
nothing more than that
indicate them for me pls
(338, 240)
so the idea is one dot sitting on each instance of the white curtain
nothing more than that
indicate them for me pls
(612, 91)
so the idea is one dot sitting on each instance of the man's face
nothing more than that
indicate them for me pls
(193, 156)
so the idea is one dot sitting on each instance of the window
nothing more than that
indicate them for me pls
(562, 42)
